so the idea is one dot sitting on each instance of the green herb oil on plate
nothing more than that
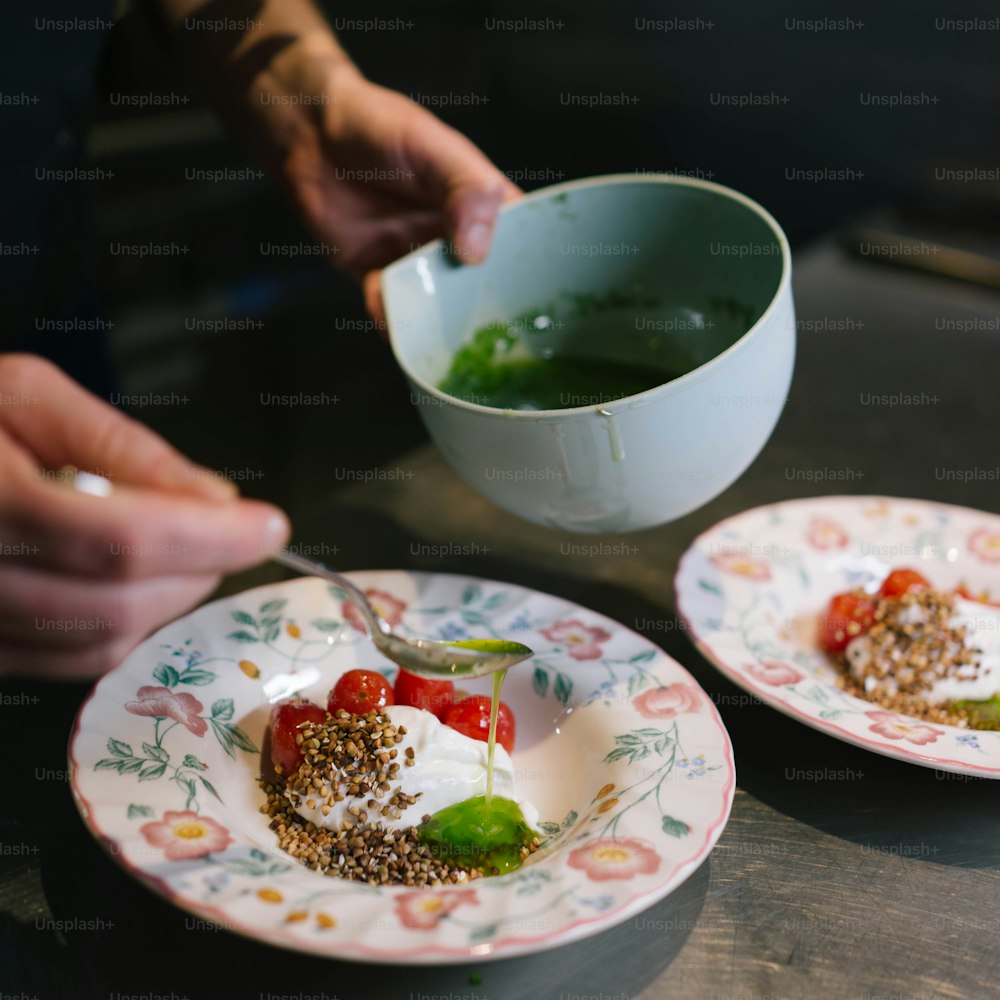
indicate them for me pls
(983, 714)
(470, 835)
(485, 831)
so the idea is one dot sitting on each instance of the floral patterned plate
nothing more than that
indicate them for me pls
(623, 754)
(750, 590)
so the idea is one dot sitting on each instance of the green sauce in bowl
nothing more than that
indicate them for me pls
(600, 349)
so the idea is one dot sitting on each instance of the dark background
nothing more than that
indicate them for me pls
(308, 334)
(313, 335)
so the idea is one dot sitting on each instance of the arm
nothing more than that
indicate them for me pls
(372, 173)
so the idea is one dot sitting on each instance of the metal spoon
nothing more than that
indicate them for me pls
(426, 657)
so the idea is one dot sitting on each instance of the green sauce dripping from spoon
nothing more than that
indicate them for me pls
(498, 679)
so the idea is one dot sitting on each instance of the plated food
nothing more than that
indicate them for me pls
(912, 648)
(769, 595)
(621, 753)
(387, 793)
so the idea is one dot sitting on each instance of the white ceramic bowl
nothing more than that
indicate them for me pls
(697, 264)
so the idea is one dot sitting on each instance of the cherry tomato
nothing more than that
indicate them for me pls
(847, 616)
(901, 581)
(471, 717)
(286, 717)
(359, 691)
(434, 696)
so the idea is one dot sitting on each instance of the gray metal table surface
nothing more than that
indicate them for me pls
(840, 874)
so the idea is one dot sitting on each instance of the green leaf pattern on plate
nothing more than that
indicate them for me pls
(190, 700)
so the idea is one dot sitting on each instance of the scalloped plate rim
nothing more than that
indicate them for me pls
(423, 953)
(769, 696)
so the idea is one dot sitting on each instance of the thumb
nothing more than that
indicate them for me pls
(471, 209)
(472, 214)
(464, 182)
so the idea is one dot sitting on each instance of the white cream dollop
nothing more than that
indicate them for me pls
(975, 682)
(448, 767)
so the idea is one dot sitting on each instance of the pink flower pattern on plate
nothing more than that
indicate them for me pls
(582, 642)
(610, 858)
(162, 703)
(736, 562)
(186, 835)
(666, 702)
(389, 608)
(893, 726)
(985, 545)
(825, 533)
(774, 672)
(423, 910)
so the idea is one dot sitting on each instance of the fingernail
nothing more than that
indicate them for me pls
(276, 533)
(474, 242)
